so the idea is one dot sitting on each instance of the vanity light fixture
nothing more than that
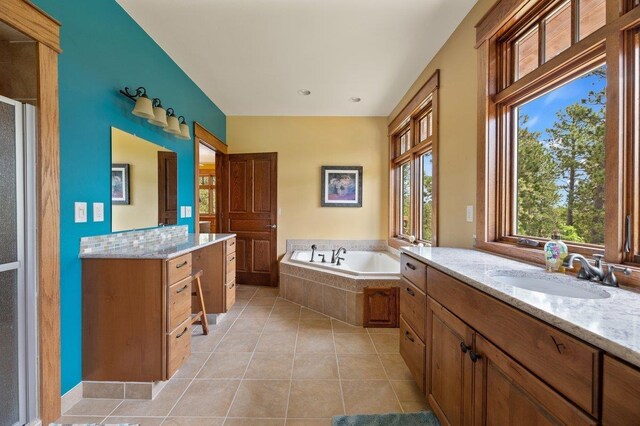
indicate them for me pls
(155, 113)
(184, 129)
(159, 114)
(143, 107)
(173, 125)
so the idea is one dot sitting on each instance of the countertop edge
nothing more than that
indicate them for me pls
(601, 342)
(156, 255)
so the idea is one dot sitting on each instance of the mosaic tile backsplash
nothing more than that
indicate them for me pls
(140, 239)
(363, 245)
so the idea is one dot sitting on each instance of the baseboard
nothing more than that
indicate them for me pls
(71, 398)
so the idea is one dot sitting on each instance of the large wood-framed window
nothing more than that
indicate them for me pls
(413, 137)
(558, 128)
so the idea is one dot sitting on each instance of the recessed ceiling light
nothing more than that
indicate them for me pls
(355, 99)
(304, 92)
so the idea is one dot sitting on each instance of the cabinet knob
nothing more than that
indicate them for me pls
(410, 266)
(411, 292)
(464, 348)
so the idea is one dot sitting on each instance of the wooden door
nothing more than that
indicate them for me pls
(250, 212)
(505, 393)
(380, 307)
(167, 188)
(449, 367)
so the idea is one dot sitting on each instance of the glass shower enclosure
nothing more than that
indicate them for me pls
(18, 341)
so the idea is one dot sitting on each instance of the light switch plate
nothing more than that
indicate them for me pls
(183, 212)
(98, 212)
(469, 213)
(80, 212)
(188, 211)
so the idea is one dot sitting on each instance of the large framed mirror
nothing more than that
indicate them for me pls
(144, 183)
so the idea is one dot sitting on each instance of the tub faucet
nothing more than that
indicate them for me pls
(335, 254)
(593, 272)
(340, 259)
(313, 251)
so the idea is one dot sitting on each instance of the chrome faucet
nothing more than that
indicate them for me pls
(596, 271)
(587, 271)
(335, 254)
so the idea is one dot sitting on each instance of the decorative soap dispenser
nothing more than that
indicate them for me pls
(554, 253)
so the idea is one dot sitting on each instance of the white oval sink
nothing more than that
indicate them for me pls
(556, 285)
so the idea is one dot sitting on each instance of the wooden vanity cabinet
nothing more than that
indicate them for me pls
(450, 377)
(216, 269)
(620, 393)
(413, 286)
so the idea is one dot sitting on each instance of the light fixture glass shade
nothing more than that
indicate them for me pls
(143, 108)
(173, 125)
(159, 117)
(184, 132)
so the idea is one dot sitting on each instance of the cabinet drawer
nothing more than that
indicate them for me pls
(230, 296)
(179, 268)
(412, 351)
(564, 362)
(413, 305)
(415, 271)
(179, 303)
(178, 347)
(231, 246)
(231, 268)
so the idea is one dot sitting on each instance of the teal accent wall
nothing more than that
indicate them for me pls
(103, 51)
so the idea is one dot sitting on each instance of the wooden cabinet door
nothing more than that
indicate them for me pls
(449, 368)
(380, 307)
(620, 393)
(505, 393)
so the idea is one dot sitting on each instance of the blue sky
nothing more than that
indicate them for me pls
(542, 110)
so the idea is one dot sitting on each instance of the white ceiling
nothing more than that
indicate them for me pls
(252, 56)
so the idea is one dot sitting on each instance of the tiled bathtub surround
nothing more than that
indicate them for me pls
(360, 245)
(167, 235)
(334, 294)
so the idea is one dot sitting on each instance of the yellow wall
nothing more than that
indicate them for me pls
(457, 62)
(142, 157)
(303, 145)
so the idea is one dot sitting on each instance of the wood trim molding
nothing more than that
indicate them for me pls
(48, 216)
(416, 102)
(499, 14)
(29, 19)
(202, 134)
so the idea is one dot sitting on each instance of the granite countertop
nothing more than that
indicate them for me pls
(167, 250)
(612, 324)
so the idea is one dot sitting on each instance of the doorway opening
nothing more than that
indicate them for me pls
(207, 199)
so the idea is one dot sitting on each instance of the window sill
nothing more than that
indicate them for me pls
(536, 257)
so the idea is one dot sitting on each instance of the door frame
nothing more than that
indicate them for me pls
(205, 137)
(33, 22)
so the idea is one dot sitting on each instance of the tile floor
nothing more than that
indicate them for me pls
(272, 362)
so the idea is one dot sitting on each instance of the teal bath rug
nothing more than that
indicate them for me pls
(392, 419)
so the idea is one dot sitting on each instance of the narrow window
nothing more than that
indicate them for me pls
(405, 199)
(426, 197)
(557, 31)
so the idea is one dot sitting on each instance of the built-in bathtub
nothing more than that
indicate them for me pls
(360, 264)
(335, 290)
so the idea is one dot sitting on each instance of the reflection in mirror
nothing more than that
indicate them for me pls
(144, 183)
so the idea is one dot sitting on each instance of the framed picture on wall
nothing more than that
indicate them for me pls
(341, 186)
(120, 184)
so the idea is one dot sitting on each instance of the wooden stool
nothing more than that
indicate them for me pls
(201, 316)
